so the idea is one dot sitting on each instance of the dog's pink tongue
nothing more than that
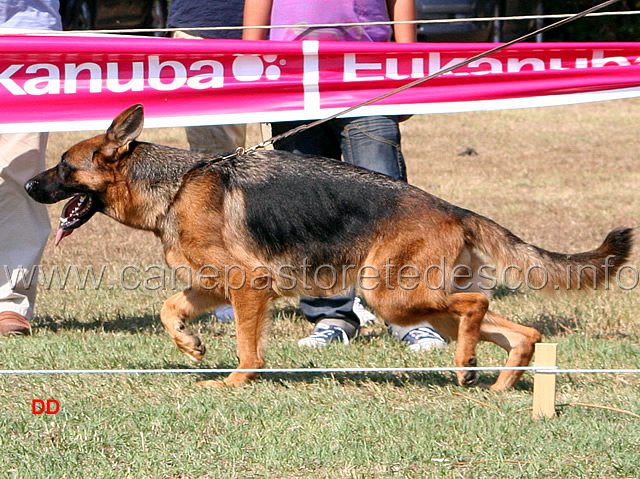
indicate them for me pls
(61, 234)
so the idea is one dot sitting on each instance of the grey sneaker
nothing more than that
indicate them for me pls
(424, 339)
(324, 334)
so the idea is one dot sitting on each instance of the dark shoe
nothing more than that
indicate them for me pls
(14, 324)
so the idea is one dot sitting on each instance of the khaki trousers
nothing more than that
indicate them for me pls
(24, 224)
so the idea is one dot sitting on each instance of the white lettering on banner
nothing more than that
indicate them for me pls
(211, 76)
(155, 69)
(435, 66)
(515, 65)
(599, 60)
(8, 83)
(392, 70)
(113, 78)
(71, 76)
(51, 82)
(213, 79)
(556, 64)
(417, 67)
(170, 74)
(351, 67)
(495, 66)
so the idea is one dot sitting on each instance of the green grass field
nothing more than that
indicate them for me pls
(557, 177)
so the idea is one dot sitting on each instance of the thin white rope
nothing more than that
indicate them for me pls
(329, 25)
(268, 370)
(534, 369)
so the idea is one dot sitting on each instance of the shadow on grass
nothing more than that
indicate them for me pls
(119, 324)
(399, 380)
(500, 292)
(554, 325)
(346, 378)
(131, 324)
(396, 379)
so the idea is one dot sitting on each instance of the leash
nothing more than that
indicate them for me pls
(241, 151)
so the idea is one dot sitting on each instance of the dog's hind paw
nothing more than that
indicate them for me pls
(469, 378)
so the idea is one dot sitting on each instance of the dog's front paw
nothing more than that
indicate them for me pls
(192, 347)
(233, 380)
(211, 383)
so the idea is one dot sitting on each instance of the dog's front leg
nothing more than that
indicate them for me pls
(179, 309)
(252, 309)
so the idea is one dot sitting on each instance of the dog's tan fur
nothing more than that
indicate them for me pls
(208, 212)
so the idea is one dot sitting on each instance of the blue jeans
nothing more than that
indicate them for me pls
(368, 142)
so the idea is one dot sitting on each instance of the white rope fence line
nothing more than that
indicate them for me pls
(534, 369)
(329, 25)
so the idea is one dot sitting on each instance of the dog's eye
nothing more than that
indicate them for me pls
(64, 169)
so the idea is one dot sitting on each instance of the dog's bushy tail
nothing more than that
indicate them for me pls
(519, 263)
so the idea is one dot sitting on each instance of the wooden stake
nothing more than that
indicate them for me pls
(544, 384)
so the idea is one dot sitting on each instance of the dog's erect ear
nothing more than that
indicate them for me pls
(126, 127)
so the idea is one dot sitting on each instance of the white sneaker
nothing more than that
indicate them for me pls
(424, 339)
(364, 315)
(322, 335)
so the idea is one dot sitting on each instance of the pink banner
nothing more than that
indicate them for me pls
(55, 83)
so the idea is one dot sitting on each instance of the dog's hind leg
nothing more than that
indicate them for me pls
(468, 309)
(457, 315)
(519, 342)
(179, 309)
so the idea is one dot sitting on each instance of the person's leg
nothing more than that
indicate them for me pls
(421, 337)
(333, 316)
(373, 143)
(24, 228)
(320, 140)
(216, 139)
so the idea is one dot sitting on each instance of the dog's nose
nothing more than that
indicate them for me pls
(31, 185)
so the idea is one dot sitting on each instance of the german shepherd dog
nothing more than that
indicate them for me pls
(263, 217)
